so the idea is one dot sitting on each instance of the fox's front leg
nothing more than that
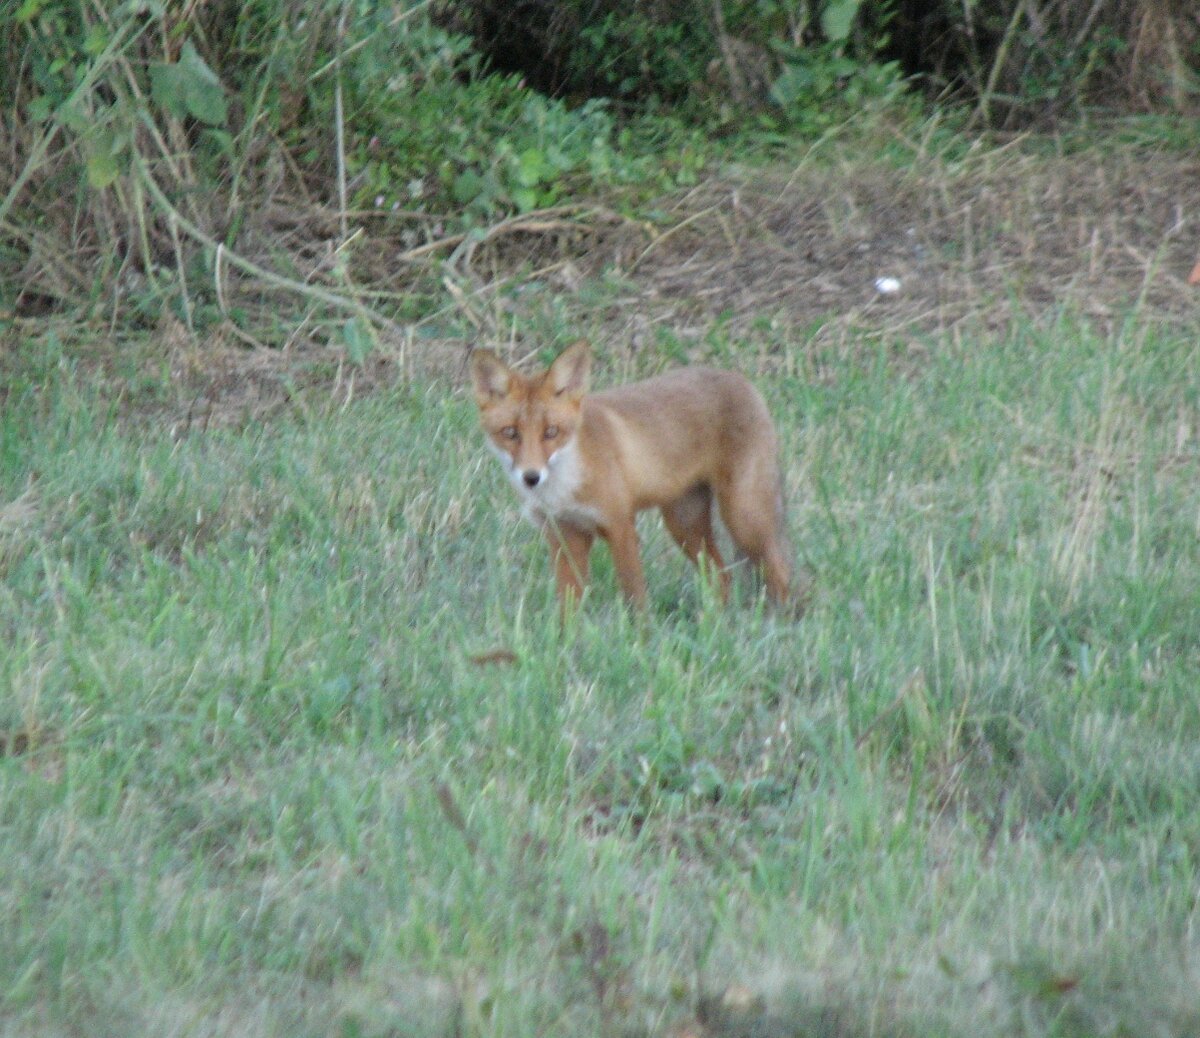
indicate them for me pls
(627, 560)
(569, 548)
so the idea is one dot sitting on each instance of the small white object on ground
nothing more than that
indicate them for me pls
(887, 286)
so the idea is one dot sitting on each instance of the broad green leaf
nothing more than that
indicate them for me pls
(525, 198)
(167, 89)
(202, 88)
(207, 103)
(102, 169)
(838, 18)
(96, 40)
(790, 85)
(189, 59)
(29, 10)
(223, 140)
(467, 187)
(189, 87)
(531, 167)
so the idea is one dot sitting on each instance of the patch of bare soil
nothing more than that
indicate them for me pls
(926, 250)
(852, 248)
(221, 382)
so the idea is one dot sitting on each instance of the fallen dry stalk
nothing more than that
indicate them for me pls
(313, 292)
(539, 221)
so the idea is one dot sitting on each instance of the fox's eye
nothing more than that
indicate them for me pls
(551, 432)
(509, 432)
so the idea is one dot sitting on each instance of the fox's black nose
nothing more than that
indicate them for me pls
(532, 477)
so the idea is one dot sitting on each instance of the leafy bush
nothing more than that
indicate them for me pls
(583, 48)
(797, 62)
(432, 128)
(817, 86)
(145, 135)
(434, 132)
(1051, 58)
(635, 51)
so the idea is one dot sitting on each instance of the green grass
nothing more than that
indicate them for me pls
(253, 783)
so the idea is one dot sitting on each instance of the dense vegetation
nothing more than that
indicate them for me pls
(142, 135)
(291, 739)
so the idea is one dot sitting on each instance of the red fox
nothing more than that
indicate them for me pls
(584, 464)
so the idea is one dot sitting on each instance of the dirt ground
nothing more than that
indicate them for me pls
(1015, 236)
(899, 251)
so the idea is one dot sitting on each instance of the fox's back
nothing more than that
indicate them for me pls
(685, 426)
(720, 400)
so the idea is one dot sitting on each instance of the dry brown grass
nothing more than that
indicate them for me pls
(1016, 229)
(1004, 234)
(1021, 229)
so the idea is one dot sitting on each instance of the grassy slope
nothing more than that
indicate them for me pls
(253, 783)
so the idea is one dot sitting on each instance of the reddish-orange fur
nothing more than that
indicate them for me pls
(585, 465)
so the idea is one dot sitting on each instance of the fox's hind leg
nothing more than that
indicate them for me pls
(751, 506)
(689, 521)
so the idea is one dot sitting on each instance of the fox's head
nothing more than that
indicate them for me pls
(531, 421)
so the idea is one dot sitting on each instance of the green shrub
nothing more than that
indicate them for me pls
(144, 130)
(440, 135)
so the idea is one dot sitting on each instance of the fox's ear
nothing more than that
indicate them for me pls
(569, 372)
(489, 375)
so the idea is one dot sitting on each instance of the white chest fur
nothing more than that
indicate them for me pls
(554, 498)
